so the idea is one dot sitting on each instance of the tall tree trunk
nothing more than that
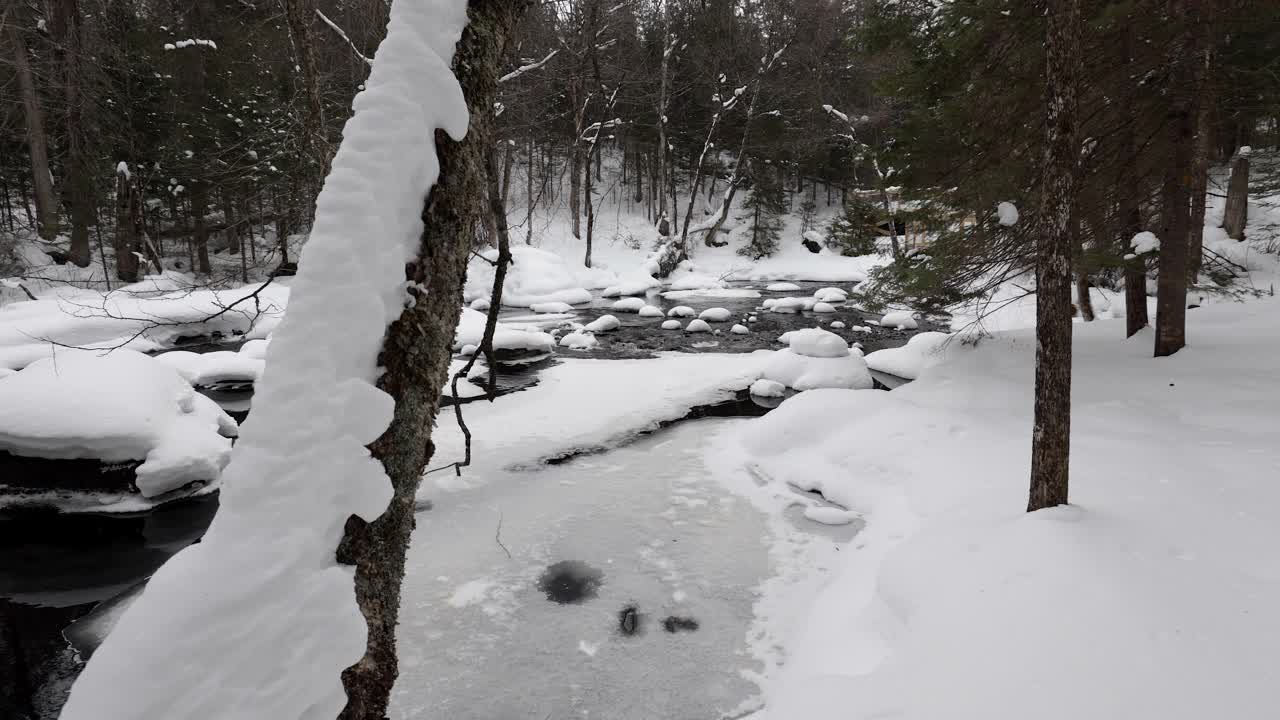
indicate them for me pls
(1184, 86)
(416, 356)
(575, 188)
(1236, 213)
(298, 16)
(1051, 436)
(1200, 178)
(78, 182)
(128, 226)
(528, 187)
(37, 142)
(1127, 187)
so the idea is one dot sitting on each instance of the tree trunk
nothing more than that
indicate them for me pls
(200, 208)
(128, 226)
(1171, 292)
(37, 142)
(575, 188)
(528, 187)
(416, 356)
(1200, 178)
(508, 160)
(78, 182)
(1051, 437)
(1236, 213)
(298, 16)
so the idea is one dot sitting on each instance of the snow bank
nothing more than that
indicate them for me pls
(1152, 595)
(117, 407)
(258, 619)
(921, 351)
(506, 336)
(803, 372)
(535, 277)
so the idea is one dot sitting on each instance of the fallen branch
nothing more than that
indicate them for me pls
(342, 34)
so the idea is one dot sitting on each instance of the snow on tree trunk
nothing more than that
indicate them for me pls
(128, 226)
(260, 619)
(1050, 440)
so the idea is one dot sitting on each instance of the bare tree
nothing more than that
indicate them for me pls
(37, 141)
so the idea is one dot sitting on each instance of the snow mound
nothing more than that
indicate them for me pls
(803, 372)
(829, 515)
(831, 295)
(604, 323)
(1144, 242)
(768, 388)
(921, 351)
(697, 326)
(505, 337)
(716, 314)
(712, 293)
(650, 311)
(550, 308)
(635, 286)
(255, 348)
(790, 305)
(481, 304)
(693, 280)
(821, 307)
(815, 342)
(203, 369)
(117, 407)
(837, 324)
(628, 305)
(578, 341)
(680, 311)
(900, 319)
(782, 287)
(739, 330)
(535, 276)
(672, 324)
(815, 236)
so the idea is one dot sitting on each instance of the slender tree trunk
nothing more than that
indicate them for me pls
(1051, 437)
(575, 188)
(128, 226)
(1236, 213)
(37, 143)
(200, 208)
(528, 187)
(1184, 86)
(416, 356)
(298, 15)
(1200, 177)
(508, 160)
(78, 182)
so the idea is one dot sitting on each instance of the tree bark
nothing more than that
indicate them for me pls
(1051, 437)
(416, 355)
(199, 209)
(78, 180)
(315, 155)
(37, 141)
(1236, 213)
(1171, 292)
(128, 226)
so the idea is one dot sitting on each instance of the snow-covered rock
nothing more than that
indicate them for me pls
(628, 305)
(578, 341)
(672, 324)
(816, 342)
(604, 323)
(203, 369)
(680, 311)
(803, 372)
(549, 308)
(900, 319)
(650, 311)
(815, 236)
(837, 324)
(768, 388)
(505, 337)
(715, 314)
(782, 287)
(739, 330)
(481, 304)
(535, 276)
(920, 352)
(697, 325)
(821, 307)
(789, 305)
(116, 407)
(635, 286)
(831, 295)
(768, 304)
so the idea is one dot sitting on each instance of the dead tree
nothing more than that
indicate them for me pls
(415, 355)
(1236, 213)
(128, 226)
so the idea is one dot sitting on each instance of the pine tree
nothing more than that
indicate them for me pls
(763, 209)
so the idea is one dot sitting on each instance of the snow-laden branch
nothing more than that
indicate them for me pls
(527, 68)
(342, 34)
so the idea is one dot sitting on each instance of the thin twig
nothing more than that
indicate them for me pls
(497, 537)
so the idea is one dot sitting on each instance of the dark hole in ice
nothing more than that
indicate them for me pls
(675, 624)
(629, 620)
(570, 582)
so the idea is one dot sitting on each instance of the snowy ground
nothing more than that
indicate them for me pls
(1150, 596)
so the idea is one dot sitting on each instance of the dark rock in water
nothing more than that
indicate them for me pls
(675, 624)
(629, 620)
(570, 582)
(60, 474)
(812, 245)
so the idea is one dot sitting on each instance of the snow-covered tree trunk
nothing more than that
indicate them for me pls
(1051, 436)
(128, 226)
(417, 350)
(261, 618)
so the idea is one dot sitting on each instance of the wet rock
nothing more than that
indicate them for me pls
(570, 582)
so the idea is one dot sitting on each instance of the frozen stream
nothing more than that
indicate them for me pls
(480, 639)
